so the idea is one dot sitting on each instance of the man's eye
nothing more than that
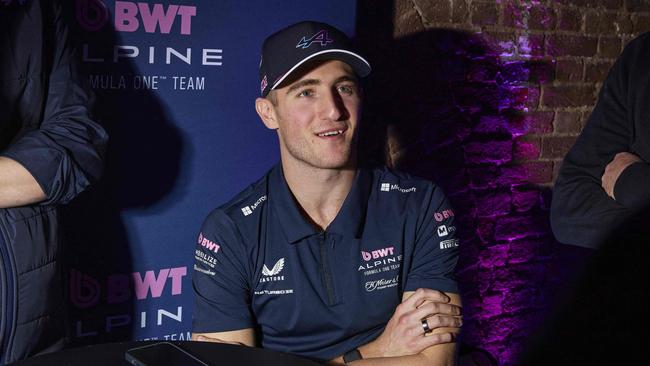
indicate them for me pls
(306, 93)
(346, 89)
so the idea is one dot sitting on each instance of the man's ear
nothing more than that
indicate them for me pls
(266, 110)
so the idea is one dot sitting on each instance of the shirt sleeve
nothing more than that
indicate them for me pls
(222, 300)
(64, 154)
(436, 247)
(581, 211)
(631, 189)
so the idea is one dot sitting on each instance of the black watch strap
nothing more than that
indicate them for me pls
(352, 355)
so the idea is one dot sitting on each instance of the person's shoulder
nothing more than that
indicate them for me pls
(643, 40)
(242, 204)
(637, 51)
(391, 184)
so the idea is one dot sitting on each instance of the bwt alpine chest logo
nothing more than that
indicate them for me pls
(321, 37)
(92, 15)
(379, 260)
(376, 254)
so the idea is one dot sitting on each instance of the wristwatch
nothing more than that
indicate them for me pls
(352, 355)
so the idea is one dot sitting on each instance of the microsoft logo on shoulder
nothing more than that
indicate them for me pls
(246, 210)
(385, 187)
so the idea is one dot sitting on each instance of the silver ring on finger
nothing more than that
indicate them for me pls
(425, 326)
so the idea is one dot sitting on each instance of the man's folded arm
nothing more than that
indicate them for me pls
(438, 347)
(582, 213)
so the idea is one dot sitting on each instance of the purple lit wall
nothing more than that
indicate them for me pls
(486, 98)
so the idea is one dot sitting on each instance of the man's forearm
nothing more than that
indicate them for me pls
(17, 186)
(372, 357)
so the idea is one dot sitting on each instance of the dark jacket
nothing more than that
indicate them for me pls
(45, 125)
(581, 212)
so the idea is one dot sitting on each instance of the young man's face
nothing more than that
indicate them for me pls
(317, 117)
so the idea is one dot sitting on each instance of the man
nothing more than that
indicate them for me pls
(600, 201)
(604, 178)
(50, 151)
(320, 257)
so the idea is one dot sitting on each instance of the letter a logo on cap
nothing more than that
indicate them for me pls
(321, 37)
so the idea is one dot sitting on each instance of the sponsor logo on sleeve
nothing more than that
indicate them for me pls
(450, 243)
(205, 258)
(444, 230)
(208, 244)
(249, 209)
(387, 187)
(445, 214)
(202, 270)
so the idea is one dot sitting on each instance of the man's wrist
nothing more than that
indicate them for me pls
(371, 350)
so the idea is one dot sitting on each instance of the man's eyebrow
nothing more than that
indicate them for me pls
(346, 78)
(302, 83)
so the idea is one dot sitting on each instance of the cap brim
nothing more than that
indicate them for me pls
(360, 66)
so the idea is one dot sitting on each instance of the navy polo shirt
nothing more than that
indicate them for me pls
(260, 264)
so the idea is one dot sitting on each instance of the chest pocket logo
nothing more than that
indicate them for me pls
(277, 268)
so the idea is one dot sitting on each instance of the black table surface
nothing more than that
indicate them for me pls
(211, 353)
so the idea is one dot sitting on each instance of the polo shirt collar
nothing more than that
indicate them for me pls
(349, 220)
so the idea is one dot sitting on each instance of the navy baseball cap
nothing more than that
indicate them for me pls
(286, 50)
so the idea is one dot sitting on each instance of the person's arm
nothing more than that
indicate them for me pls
(404, 342)
(222, 303)
(242, 337)
(431, 266)
(17, 186)
(582, 213)
(630, 186)
(64, 154)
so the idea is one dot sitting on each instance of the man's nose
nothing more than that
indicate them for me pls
(332, 107)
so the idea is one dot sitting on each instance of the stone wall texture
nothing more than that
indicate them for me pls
(486, 98)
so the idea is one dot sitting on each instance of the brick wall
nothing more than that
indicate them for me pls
(577, 40)
(486, 98)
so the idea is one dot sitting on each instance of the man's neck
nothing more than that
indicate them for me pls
(320, 193)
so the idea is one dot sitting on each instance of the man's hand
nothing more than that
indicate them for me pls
(404, 333)
(614, 169)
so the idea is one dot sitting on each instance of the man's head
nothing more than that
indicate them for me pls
(310, 94)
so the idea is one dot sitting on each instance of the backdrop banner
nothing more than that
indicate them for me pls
(176, 84)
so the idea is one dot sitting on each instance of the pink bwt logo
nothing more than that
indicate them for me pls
(376, 254)
(85, 290)
(206, 243)
(93, 14)
(439, 216)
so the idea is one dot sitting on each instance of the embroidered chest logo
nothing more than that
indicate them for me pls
(379, 260)
(271, 275)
